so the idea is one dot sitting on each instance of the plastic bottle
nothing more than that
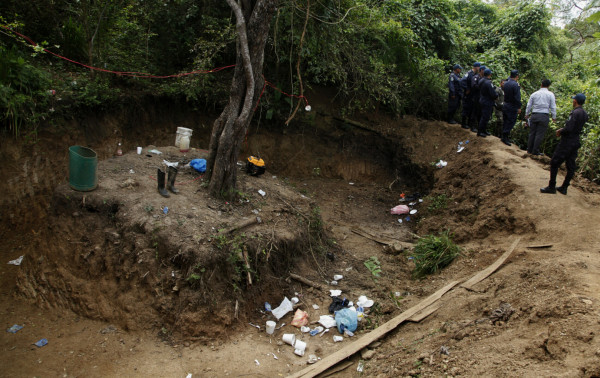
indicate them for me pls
(184, 143)
(119, 150)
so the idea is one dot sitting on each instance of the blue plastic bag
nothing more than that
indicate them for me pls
(346, 319)
(199, 165)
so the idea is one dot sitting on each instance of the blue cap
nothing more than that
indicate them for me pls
(476, 64)
(487, 72)
(514, 73)
(457, 66)
(580, 98)
(482, 68)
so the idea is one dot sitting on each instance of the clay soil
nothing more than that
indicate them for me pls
(120, 287)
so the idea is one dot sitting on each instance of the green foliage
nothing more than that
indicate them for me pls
(374, 266)
(433, 253)
(437, 203)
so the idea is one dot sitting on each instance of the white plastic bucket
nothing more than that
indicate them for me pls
(181, 131)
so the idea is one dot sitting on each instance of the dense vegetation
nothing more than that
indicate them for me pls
(380, 55)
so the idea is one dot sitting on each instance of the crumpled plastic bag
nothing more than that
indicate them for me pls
(199, 165)
(346, 319)
(399, 210)
(285, 307)
(327, 321)
(300, 318)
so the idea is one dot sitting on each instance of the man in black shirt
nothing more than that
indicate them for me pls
(566, 151)
(487, 95)
(454, 93)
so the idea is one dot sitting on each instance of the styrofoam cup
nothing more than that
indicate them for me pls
(300, 345)
(271, 327)
(299, 352)
(289, 338)
(139, 150)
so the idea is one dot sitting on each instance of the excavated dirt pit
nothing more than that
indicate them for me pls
(169, 294)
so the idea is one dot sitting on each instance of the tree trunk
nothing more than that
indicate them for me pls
(253, 22)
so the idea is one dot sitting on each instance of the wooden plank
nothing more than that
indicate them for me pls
(425, 313)
(367, 339)
(492, 268)
(336, 369)
(307, 282)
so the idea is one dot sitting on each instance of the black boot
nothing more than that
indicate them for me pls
(161, 183)
(549, 189)
(171, 180)
(464, 124)
(562, 189)
(505, 139)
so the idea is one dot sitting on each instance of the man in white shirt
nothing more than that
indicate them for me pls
(540, 105)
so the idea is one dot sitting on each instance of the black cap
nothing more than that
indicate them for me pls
(457, 66)
(514, 73)
(580, 98)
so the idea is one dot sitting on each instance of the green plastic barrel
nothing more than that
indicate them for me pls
(83, 164)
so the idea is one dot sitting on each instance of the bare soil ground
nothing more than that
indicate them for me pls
(107, 276)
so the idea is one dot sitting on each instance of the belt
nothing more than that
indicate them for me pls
(541, 113)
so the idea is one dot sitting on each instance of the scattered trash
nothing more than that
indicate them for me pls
(154, 151)
(460, 149)
(189, 375)
(257, 363)
(399, 220)
(270, 327)
(139, 150)
(281, 326)
(295, 300)
(324, 332)
(350, 183)
(337, 339)
(262, 192)
(300, 318)
(444, 350)
(338, 277)
(337, 304)
(346, 319)
(327, 321)
(40, 343)
(502, 313)
(316, 331)
(312, 359)
(14, 329)
(413, 211)
(407, 219)
(360, 367)
(399, 210)
(420, 200)
(305, 329)
(335, 293)
(199, 165)
(315, 306)
(441, 164)
(397, 294)
(307, 108)
(255, 325)
(348, 333)
(363, 301)
(255, 166)
(165, 210)
(274, 356)
(17, 261)
(284, 308)
(299, 347)
(289, 338)
(267, 307)
(170, 164)
(131, 171)
(333, 283)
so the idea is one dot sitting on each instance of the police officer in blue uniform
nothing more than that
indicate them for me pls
(487, 96)
(468, 96)
(455, 93)
(512, 105)
(566, 151)
(475, 90)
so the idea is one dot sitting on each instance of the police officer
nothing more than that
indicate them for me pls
(487, 97)
(566, 151)
(512, 105)
(498, 104)
(475, 91)
(468, 96)
(454, 93)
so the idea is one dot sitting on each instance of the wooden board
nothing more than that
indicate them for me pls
(367, 339)
(425, 313)
(492, 268)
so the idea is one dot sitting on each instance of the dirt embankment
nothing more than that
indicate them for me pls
(113, 254)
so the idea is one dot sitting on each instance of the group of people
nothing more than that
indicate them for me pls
(480, 98)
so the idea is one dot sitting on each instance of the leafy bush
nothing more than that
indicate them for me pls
(433, 253)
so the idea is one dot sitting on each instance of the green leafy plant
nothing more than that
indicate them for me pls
(374, 266)
(433, 253)
(437, 203)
